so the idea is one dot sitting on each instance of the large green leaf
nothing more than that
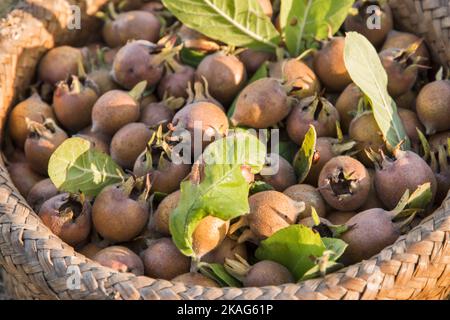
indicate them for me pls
(304, 158)
(240, 147)
(235, 22)
(303, 21)
(295, 247)
(221, 192)
(367, 72)
(76, 167)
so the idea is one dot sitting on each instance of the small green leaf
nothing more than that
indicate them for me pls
(287, 149)
(191, 57)
(220, 191)
(304, 158)
(327, 263)
(234, 22)
(304, 21)
(76, 167)
(260, 186)
(315, 271)
(262, 72)
(401, 205)
(340, 135)
(315, 216)
(367, 72)
(337, 246)
(425, 144)
(421, 198)
(218, 273)
(240, 147)
(293, 247)
(159, 196)
(440, 74)
(338, 229)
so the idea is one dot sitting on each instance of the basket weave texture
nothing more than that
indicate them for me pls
(429, 19)
(37, 264)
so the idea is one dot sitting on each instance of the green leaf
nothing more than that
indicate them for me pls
(327, 263)
(76, 167)
(440, 74)
(218, 273)
(240, 147)
(315, 272)
(448, 146)
(191, 57)
(337, 246)
(367, 72)
(304, 158)
(287, 149)
(260, 186)
(315, 216)
(295, 247)
(421, 198)
(425, 144)
(222, 192)
(234, 22)
(262, 72)
(304, 21)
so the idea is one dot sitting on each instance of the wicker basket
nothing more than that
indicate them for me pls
(429, 19)
(36, 263)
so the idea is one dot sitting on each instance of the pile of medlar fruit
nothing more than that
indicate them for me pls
(131, 84)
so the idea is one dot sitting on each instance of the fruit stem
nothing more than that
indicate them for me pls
(195, 264)
(137, 92)
(199, 91)
(112, 10)
(128, 186)
(280, 53)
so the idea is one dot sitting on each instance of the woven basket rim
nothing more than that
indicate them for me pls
(366, 279)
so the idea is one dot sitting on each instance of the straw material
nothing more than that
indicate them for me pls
(37, 264)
